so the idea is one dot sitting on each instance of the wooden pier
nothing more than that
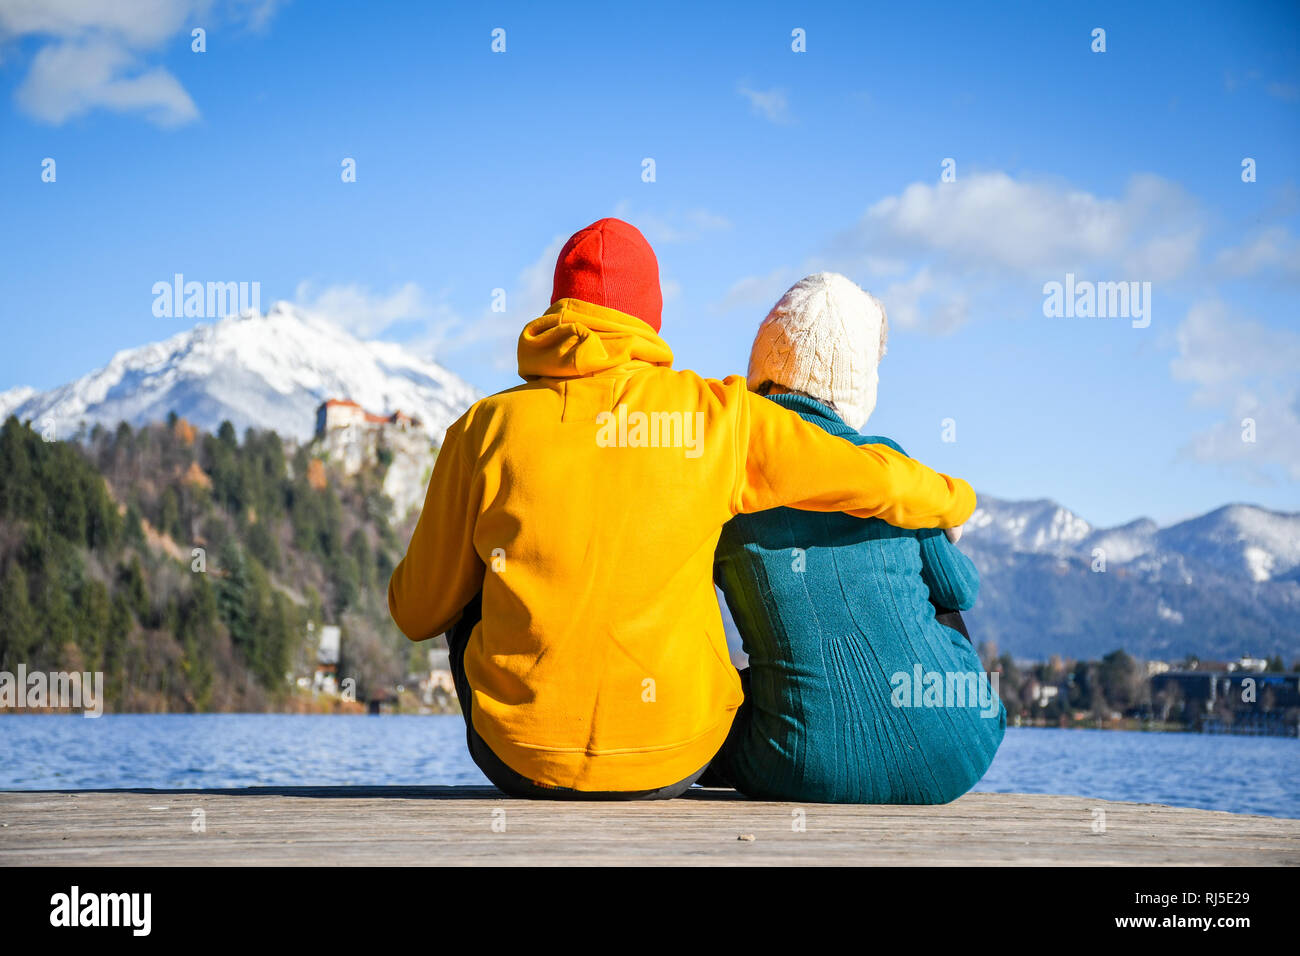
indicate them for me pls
(442, 826)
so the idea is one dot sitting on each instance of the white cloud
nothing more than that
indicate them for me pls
(905, 303)
(1270, 248)
(68, 80)
(672, 226)
(460, 337)
(1287, 92)
(884, 265)
(705, 220)
(926, 301)
(490, 336)
(137, 23)
(992, 220)
(1242, 369)
(257, 14)
(1160, 258)
(980, 244)
(986, 243)
(95, 54)
(536, 280)
(365, 313)
(759, 291)
(772, 105)
(1283, 90)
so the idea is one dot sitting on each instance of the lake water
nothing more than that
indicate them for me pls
(1240, 774)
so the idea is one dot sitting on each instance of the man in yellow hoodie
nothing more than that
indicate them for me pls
(568, 535)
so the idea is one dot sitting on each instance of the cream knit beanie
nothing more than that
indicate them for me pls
(824, 338)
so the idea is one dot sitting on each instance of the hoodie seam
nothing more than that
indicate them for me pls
(740, 441)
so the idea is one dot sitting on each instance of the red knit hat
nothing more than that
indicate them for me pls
(610, 263)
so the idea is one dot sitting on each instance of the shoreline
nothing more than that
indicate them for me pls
(353, 709)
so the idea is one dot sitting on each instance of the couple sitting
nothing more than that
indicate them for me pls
(572, 564)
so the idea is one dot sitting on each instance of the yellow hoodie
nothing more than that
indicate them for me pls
(586, 504)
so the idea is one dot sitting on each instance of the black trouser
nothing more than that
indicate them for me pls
(494, 768)
(951, 618)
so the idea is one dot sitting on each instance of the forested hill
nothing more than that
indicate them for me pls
(192, 569)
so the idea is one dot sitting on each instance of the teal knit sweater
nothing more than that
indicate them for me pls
(857, 694)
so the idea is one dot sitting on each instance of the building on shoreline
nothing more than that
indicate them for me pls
(1254, 702)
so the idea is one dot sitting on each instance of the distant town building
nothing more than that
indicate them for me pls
(1205, 688)
(325, 680)
(435, 686)
(440, 670)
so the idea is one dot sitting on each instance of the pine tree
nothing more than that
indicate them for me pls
(93, 618)
(233, 597)
(130, 581)
(19, 630)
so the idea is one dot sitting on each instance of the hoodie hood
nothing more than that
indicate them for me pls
(574, 338)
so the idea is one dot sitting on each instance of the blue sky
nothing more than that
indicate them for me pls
(472, 166)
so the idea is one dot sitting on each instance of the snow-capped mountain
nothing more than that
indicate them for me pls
(1236, 540)
(1040, 526)
(266, 372)
(1222, 585)
(1124, 543)
(1242, 538)
(11, 399)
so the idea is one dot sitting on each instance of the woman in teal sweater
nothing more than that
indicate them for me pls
(856, 694)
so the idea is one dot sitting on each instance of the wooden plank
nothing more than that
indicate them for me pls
(442, 826)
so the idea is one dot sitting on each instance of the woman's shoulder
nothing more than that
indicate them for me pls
(879, 440)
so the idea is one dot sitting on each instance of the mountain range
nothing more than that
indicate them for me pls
(1218, 586)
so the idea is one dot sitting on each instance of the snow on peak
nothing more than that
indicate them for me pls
(1242, 541)
(11, 399)
(1264, 544)
(1041, 525)
(264, 371)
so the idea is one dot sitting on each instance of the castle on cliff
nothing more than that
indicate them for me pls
(352, 436)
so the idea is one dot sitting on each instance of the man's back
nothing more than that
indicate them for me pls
(605, 639)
